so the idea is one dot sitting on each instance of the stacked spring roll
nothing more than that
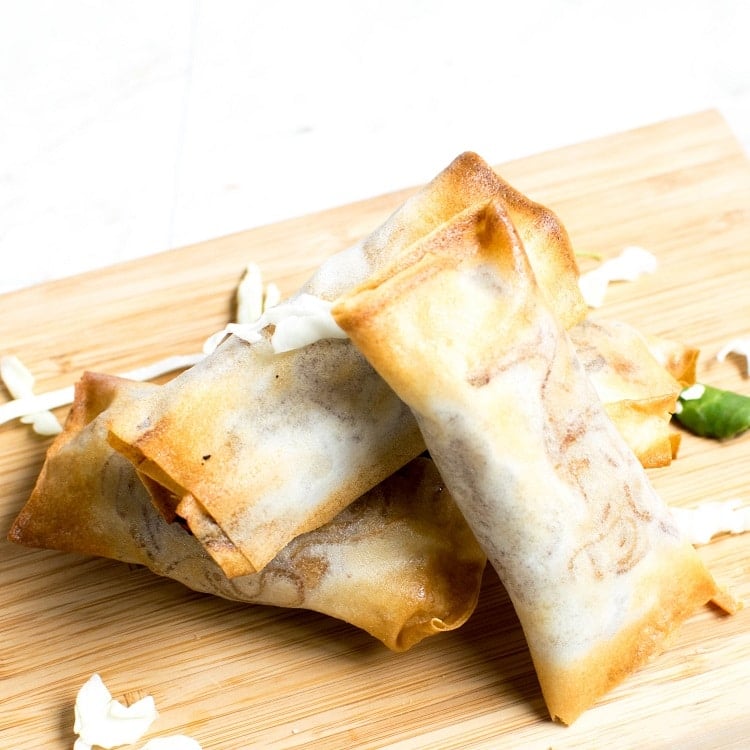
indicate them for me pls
(399, 562)
(295, 479)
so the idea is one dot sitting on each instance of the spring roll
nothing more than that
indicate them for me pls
(252, 448)
(593, 562)
(400, 562)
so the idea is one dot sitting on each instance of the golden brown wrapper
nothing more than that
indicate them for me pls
(400, 562)
(680, 360)
(212, 437)
(590, 555)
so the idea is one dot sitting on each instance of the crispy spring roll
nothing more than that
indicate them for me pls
(593, 562)
(253, 448)
(400, 562)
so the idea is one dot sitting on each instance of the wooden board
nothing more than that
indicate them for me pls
(237, 676)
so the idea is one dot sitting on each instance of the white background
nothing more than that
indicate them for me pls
(131, 126)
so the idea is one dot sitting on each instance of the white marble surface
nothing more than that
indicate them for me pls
(131, 126)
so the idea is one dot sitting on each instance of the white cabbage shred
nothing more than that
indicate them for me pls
(30, 407)
(693, 393)
(739, 346)
(297, 322)
(707, 520)
(632, 263)
(252, 297)
(101, 721)
(20, 384)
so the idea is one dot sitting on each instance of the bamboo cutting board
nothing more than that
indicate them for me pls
(235, 676)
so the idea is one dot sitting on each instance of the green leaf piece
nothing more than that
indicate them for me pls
(715, 413)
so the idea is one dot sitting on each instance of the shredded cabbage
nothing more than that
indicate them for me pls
(31, 406)
(104, 722)
(710, 519)
(297, 322)
(629, 265)
(739, 346)
(20, 384)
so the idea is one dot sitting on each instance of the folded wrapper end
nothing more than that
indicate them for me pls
(175, 503)
(57, 525)
(681, 585)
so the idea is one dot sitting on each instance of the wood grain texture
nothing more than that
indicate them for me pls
(237, 676)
